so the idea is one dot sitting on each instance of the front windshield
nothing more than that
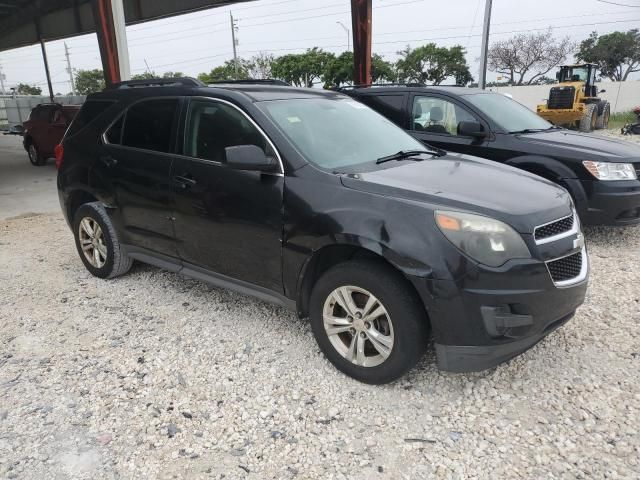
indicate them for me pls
(506, 113)
(335, 134)
(574, 74)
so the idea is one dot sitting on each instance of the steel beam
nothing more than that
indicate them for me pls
(361, 20)
(112, 39)
(44, 58)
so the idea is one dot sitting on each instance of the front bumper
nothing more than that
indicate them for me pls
(492, 315)
(612, 203)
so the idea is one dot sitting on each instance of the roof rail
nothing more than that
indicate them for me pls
(353, 87)
(252, 81)
(157, 82)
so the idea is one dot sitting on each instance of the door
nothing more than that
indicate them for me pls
(136, 160)
(227, 221)
(39, 126)
(435, 120)
(57, 125)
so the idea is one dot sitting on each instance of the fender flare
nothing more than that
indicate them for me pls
(405, 266)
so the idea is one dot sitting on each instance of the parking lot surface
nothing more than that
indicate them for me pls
(24, 188)
(152, 375)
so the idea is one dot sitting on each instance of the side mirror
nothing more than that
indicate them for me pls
(471, 129)
(249, 157)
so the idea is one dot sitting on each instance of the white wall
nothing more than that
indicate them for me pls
(15, 110)
(623, 96)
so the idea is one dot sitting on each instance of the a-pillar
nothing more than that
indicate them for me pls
(361, 21)
(112, 40)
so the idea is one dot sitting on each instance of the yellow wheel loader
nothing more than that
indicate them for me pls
(574, 102)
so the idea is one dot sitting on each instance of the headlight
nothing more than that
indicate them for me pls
(611, 171)
(484, 239)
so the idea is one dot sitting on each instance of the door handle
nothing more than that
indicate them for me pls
(108, 160)
(185, 180)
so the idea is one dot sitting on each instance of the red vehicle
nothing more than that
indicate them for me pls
(45, 128)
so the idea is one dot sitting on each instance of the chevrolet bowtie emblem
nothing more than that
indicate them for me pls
(579, 241)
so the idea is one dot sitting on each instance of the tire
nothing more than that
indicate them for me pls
(402, 328)
(603, 120)
(588, 120)
(35, 158)
(109, 261)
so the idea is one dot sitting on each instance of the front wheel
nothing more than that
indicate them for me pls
(589, 118)
(368, 321)
(603, 120)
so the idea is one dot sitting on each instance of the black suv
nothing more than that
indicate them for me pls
(600, 173)
(313, 201)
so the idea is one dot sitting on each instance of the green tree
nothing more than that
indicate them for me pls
(302, 69)
(433, 64)
(259, 66)
(144, 76)
(381, 70)
(530, 54)
(89, 81)
(339, 70)
(617, 54)
(173, 75)
(227, 71)
(26, 89)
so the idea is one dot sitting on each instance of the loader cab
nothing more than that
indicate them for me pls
(580, 73)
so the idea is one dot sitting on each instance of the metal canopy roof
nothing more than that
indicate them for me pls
(20, 20)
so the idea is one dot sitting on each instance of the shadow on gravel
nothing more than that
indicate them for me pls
(612, 236)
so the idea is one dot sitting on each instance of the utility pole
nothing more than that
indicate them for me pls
(348, 35)
(69, 69)
(482, 81)
(147, 65)
(2, 91)
(234, 28)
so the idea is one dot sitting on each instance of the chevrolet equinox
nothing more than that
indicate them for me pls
(311, 200)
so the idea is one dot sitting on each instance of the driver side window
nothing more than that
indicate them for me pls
(437, 115)
(212, 127)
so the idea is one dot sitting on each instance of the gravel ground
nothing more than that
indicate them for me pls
(156, 376)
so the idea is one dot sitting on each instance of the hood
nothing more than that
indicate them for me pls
(583, 146)
(461, 182)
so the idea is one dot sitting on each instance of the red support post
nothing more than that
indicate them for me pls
(361, 21)
(105, 30)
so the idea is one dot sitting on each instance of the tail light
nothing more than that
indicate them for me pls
(59, 154)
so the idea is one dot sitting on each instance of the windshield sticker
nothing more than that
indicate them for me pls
(294, 119)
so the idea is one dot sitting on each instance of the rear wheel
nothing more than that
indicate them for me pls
(367, 321)
(603, 119)
(34, 155)
(97, 242)
(589, 118)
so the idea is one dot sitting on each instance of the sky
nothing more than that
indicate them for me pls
(199, 41)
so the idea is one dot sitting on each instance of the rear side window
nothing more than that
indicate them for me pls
(149, 124)
(389, 106)
(90, 110)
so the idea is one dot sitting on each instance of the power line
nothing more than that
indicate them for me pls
(619, 4)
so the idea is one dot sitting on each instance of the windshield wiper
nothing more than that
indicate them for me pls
(404, 154)
(535, 130)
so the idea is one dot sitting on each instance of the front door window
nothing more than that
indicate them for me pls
(437, 115)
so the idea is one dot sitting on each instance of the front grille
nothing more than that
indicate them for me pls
(561, 97)
(554, 228)
(565, 268)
